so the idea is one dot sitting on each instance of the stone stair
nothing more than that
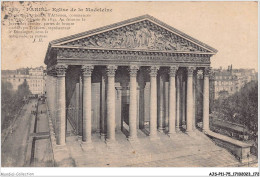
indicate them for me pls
(183, 150)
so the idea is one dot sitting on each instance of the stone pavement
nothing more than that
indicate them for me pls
(43, 151)
(183, 150)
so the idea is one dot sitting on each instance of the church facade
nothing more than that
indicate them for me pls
(138, 74)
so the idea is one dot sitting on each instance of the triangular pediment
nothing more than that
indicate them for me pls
(140, 34)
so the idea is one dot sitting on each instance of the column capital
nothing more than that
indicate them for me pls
(154, 70)
(133, 70)
(111, 70)
(173, 70)
(190, 70)
(207, 71)
(60, 69)
(200, 74)
(87, 70)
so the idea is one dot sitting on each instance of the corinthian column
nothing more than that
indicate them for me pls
(61, 104)
(178, 107)
(111, 69)
(153, 102)
(86, 73)
(194, 99)
(103, 105)
(161, 102)
(206, 99)
(133, 103)
(190, 99)
(172, 100)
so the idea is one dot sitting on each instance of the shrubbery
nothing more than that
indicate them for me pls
(241, 107)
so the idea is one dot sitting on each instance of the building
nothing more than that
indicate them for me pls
(228, 81)
(35, 78)
(124, 76)
(244, 75)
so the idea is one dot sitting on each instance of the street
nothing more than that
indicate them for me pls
(15, 146)
(28, 143)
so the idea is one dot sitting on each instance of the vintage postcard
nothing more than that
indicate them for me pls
(129, 84)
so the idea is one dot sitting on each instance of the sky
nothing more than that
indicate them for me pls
(229, 27)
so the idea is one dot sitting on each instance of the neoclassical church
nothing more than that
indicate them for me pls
(138, 74)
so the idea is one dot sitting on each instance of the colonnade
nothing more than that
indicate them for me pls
(57, 102)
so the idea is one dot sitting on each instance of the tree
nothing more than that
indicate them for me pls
(7, 96)
(248, 105)
(241, 107)
(23, 91)
(12, 101)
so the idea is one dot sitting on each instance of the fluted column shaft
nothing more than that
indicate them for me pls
(133, 103)
(86, 132)
(206, 99)
(54, 102)
(194, 99)
(172, 100)
(160, 93)
(103, 105)
(153, 101)
(61, 104)
(141, 99)
(178, 107)
(190, 99)
(111, 102)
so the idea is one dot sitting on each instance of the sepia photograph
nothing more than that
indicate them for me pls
(129, 84)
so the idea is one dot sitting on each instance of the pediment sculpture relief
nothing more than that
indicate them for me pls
(144, 36)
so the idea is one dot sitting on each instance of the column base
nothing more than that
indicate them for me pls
(205, 131)
(87, 145)
(133, 140)
(111, 144)
(172, 135)
(60, 144)
(178, 130)
(161, 129)
(61, 147)
(103, 137)
(190, 133)
(79, 138)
